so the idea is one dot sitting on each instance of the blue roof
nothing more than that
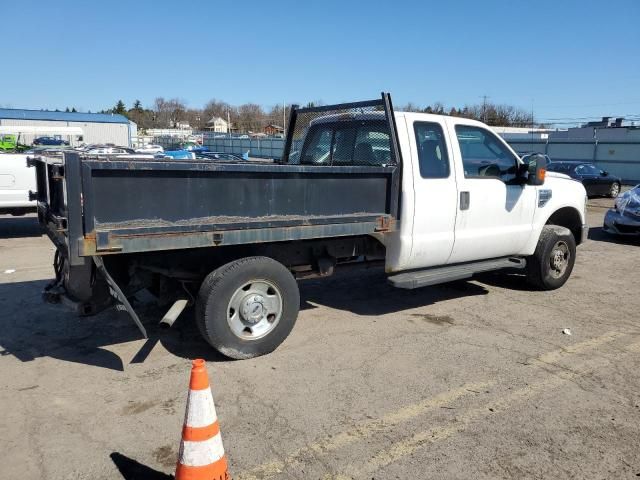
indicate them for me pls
(21, 114)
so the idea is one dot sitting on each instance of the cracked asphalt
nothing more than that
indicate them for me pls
(471, 379)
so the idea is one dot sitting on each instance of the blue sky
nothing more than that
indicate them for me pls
(564, 59)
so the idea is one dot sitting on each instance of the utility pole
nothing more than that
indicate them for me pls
(284, 117)
(484, 108)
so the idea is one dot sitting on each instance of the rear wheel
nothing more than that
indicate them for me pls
(552, 263)
(614, 190)
(247, 307)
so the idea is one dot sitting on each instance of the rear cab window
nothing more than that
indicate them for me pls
(348, 143)
(433, 159)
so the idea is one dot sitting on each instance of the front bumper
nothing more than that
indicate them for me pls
(618, 224)
(584, 233)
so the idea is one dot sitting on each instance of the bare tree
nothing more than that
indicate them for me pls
(251, 118)
(168, 112)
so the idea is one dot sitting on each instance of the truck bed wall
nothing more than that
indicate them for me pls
(139, 198)
(99, 207)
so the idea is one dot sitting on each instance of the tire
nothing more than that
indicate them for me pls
(247, 307)
(552, 263)
(614, 190)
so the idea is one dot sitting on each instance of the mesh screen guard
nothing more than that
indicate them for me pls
(348, 134)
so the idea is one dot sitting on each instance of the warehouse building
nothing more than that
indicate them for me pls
(95, 127)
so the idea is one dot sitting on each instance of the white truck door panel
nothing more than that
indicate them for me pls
(435, 192)
(498, 219)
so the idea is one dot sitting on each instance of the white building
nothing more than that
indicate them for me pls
(96, 127)
(217, 125)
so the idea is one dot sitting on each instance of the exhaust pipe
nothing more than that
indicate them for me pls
(173, 313)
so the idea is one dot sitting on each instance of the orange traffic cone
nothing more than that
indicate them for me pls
(201, 454)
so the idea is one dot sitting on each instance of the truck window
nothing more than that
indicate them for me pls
(318, 148)
(348, 144)
(372, 146)
(432, 151)
(484, 155)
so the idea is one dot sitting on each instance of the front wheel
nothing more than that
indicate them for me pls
(552, 263)
(247, 307)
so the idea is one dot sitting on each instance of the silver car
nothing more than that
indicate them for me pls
(624, 217)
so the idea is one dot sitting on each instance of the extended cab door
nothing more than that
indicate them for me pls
(494, 211)
(435, 192)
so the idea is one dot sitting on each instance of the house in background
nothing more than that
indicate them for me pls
(273, 130)
(217, 125)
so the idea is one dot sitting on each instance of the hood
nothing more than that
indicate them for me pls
(628, 203)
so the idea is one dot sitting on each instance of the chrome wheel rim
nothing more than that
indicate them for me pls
(254, 309)
(615, 189)
(559, 259)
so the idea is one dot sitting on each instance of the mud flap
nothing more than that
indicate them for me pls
(116, 293)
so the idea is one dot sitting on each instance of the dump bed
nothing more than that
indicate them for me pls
(98, 205)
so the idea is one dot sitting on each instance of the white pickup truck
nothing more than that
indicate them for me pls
(16, 180)
(433, 198)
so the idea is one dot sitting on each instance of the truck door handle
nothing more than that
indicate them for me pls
(465, 200)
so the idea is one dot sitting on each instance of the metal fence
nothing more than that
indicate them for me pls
(620, 158)
(257, 147)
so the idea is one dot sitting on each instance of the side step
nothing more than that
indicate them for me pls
(449, 273)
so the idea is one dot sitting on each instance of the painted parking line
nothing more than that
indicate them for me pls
(407, 447)
(401, 449)
(363, 431)
(634, 347)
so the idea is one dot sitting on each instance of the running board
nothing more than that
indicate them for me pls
(449, 273)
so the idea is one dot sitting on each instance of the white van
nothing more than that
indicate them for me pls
(15, 182)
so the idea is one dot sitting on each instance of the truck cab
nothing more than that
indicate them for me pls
(464, 193)
(465, 197)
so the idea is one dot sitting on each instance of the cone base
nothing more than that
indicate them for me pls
(214, 471)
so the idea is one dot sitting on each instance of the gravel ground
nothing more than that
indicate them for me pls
(471, 379)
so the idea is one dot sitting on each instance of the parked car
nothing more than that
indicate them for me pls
(150, 149)
(50, 141)
(624, 217)
(189, 146)
(597, 182)
(108, 150)
(181, 154)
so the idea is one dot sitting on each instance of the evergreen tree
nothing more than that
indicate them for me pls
(120, 108)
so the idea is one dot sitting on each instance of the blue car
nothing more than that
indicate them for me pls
(50, 141)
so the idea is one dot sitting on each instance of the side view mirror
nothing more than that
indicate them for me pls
(604, 173)
(537, 169)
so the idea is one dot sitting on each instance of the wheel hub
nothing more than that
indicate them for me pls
(559, 259)
(253, 309)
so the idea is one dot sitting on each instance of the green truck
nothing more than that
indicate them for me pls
(10, 143)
